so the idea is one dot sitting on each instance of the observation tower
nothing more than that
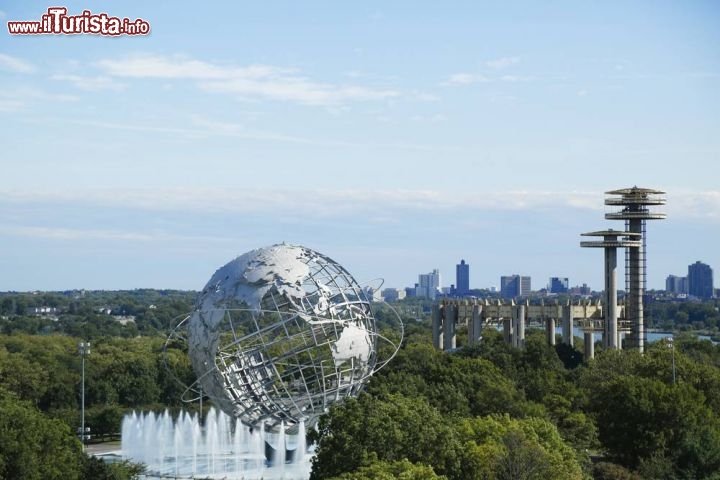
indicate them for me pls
(633, 203)
(611, 243)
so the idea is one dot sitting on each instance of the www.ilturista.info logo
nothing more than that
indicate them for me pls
(58, 22)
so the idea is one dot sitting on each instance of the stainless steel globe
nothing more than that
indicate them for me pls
(281, 333)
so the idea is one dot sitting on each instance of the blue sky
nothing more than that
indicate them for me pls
(394, 137)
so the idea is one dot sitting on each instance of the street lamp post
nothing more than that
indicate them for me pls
(200, 415)
(672, 348)
(84, 351)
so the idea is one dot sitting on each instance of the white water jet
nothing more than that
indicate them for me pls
(222, 448)
(279, 448)
(301, 447)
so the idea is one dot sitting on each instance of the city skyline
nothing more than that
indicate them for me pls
(394, 138)
(562, 284)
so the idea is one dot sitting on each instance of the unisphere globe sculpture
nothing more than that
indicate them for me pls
(281, 333)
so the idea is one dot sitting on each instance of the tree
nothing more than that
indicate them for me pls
(26, 379)
(453, 384)
(175, 372)
(33, 447)
(521, 459)
(96, 469)
(611, 471)
(401, 470)
(135, 377)
(505, 448)
(362, 431)
(104, 421)
(576, 428)
(640, 419)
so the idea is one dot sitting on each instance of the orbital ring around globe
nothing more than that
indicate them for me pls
(280, 334)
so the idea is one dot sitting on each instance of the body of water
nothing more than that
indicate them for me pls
(651, 336)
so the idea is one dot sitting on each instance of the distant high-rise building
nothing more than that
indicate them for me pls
(462, 278)
(393, 294)
(428, 284)
(675, 284)
(509, 286)
(525, 286)
(700, 280)
(512, 286)
(558, 285)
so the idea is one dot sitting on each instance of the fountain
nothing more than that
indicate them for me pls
(225, 448)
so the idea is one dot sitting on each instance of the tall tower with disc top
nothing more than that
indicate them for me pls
(634, 207)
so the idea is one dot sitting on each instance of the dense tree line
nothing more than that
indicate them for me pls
(494, 412)
(688, 315)
(95, 314)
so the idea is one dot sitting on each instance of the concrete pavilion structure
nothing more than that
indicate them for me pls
(514, 318)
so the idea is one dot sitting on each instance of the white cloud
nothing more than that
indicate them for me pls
(92, 84)
(84, 234)
(500, 63)
(306, 201)
(178, 67)
(14, 64)
(465, 79)
(72, 234)
(212, 127)
(9, 105)
(703, 205)
(299, 90)
(25, 97)
(425, 97)
(264, 81)
(207, 128)
(355, 74)
(2, 14)
(437, 118)
(471, 78)
(461, 78)
(699, 205)
(359, 74)
(40, 95)
(515, 78)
